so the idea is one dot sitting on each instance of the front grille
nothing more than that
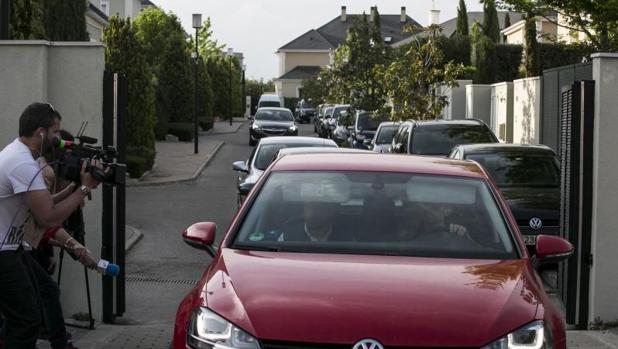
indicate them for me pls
(546, 223)
(274, 130)
(294, 345)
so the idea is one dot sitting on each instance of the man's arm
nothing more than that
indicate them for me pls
(64, 193)
(46, 213)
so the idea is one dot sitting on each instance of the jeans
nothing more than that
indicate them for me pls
(29, 296)
(19, 302)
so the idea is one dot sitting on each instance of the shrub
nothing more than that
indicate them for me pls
(183, 130)
(558, 55)
(147, 154)
(136, 166)
(509, 60)
(206, 122)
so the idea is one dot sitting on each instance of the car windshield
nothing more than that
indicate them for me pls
(337, 112)
(376, 213)
(269, 104)
(440, 139)
(328, 113)
(267, 152)
(306, 105)
(368, 122)
(385, 136)
(519, 170)
(274, 115)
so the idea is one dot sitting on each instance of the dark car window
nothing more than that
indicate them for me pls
(266, 104)
(306, 105)
(328, 113)
(441, 139)
(368, 122)
(517, 170)
(267, 152)
(376, 213)
(274, 115)
(385, 136)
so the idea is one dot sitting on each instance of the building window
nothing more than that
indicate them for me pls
(105, 7)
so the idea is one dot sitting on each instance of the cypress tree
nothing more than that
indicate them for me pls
(531, 62)
(26, 20)
(65, 20)
(462, 19)
(491, 24)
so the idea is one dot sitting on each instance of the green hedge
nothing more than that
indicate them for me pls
(455, 48)
(206, 123)
(147, 154)
(136, 166)
(509, 59)
(558, 55)
(183, 130)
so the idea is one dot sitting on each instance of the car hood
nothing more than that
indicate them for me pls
(400, 301)
(267, 123)
(526, 203)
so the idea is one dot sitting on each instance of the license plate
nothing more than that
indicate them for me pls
(530, 240)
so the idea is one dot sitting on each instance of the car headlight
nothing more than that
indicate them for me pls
(532, 336)
(208, 330)
(293, 128)
(255, 127)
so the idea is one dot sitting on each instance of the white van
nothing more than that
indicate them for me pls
(270, 101)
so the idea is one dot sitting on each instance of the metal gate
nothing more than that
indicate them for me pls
(113, 243)
(576, 152)
(556, 81)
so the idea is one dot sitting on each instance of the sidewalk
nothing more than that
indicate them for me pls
(176, 162)
(593, 339)
(223, 127)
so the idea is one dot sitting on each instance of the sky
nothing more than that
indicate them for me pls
(257, 28)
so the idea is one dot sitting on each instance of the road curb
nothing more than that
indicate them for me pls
(134, 239)
(196, 174)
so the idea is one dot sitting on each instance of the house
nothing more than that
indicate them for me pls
(124, 8)
(303, 57)
(567, 35)
(449, 27)
(96, 22)
(546, 31)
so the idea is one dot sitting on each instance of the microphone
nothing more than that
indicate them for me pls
(106, 268)
(62, 144)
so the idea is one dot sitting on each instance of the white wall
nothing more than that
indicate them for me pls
(70, 77)
(478, 102)
(456, 108)
(502, 111)
(604, 274)
(527, 110)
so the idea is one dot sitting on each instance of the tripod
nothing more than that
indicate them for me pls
(75, 226)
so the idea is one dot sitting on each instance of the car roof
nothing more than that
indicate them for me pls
(506, 147)
(296, 140)
(379, 163)
(342, 106)
(389, 123)
(465, 122)
(273, 108)
(320, 150)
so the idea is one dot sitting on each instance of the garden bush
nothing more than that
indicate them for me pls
(183, 130)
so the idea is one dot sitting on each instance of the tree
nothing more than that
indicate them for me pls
(484, 56)
(315, 89)
(531, 56)
(414, 81)
(26, 21)
(352, 78)
(176, 83)
(208, 46)
(462, 19)
(65, 20)
(125, 55)
(491, 24)
(598, 20)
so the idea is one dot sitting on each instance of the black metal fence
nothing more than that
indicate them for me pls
(576, 158)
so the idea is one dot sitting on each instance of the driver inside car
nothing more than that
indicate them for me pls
(318, 224)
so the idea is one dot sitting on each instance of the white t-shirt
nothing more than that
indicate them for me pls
(19, 173)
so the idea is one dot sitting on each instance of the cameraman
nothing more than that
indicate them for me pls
(24, 196)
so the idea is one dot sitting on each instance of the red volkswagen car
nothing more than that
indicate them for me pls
(364, 251)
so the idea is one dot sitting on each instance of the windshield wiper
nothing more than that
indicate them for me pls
(257, 248)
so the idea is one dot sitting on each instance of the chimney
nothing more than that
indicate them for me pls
(434, 17)
(404, 17)
(344, 13)
(373, 11)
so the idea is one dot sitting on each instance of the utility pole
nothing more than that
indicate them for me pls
(197, 24)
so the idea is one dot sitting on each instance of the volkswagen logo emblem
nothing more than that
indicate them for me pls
(536, 223)
(368, 344)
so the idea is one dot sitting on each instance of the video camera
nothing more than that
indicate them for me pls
(73, 154)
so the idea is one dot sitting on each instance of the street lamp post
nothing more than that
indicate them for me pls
(244, 92)
(197, 24)
(230, 55)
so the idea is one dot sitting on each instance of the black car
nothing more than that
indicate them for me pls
(529, 178)
(365, 127)
(304, 111)
(439, 137)
(272, 122)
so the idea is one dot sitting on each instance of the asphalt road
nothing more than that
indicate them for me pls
(161, 268)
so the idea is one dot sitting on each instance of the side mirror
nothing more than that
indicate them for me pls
(245, 188)
(552, 249)
(240, 166)
(201, 236)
